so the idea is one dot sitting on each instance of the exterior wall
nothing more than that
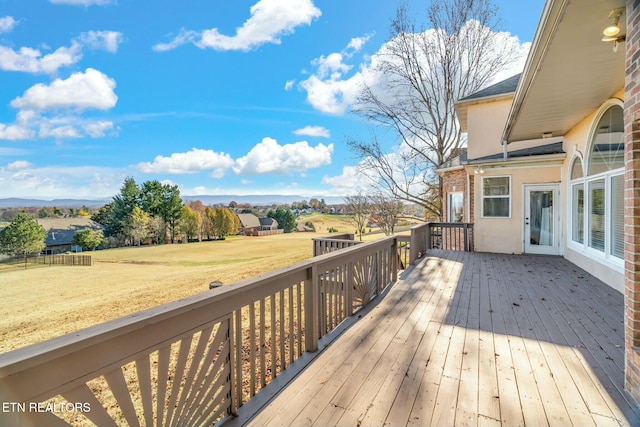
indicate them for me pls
(505, 235)
(485, 122)
(575, 144)
(454, 182)
(632, 202)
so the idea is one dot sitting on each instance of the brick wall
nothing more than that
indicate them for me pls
(454, 182)
(632, 200)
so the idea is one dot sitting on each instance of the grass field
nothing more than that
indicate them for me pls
(43, 302)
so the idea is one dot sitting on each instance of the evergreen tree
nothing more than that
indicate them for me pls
(286, 219)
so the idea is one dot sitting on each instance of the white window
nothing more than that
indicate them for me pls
(496, 197)
(577, 201)
(455, 206)
(597, 198)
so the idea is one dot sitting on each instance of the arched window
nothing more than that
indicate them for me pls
(597, 199)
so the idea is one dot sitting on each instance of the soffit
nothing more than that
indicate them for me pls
(570, 72)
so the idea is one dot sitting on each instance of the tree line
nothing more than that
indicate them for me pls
(155, 213)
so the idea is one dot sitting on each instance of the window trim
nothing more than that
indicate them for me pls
(483, 197)
(576, 245)
(606, 256)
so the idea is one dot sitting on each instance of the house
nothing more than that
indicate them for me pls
(553, 158)
(60, 232)
(251, 225)
(268, 224)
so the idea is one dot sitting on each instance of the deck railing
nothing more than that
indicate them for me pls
(325, 245)
(452, 236)
(197, 360)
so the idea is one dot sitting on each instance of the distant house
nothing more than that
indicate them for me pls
(251, 225)
(60, 232)
(268, 224)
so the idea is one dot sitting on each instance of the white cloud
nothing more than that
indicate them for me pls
(58, 132)
(356, 43)
(31, 60)
(350, 181)
(81, 91)
(18, 165)
(40, 115)
(7, 23)
(97, 129)
(183, 37)
(333, 87)
(289, 85)
(313, 131)
(328, 90)
(105, 40)
(192, 161)
(83, 2)
(59, 181)
(269, 20)
(333, 95)
(270, 157)
(20, 129)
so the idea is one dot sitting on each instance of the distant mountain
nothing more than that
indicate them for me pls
(260, 200)
(61, 203)
(255, 200)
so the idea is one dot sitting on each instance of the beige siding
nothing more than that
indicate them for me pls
(505, 235)
(485, 123)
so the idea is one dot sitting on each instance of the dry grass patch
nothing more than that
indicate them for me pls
(41, 303)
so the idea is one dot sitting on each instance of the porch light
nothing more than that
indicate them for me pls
(613, 29)
(478, 170)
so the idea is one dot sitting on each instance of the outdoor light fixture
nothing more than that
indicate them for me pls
(613, 30)
(478, 170)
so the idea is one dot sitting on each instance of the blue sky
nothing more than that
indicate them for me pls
(241, 97)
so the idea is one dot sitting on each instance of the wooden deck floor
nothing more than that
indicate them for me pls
(472, 339)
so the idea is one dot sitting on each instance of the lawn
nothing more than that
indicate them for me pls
(44, 302)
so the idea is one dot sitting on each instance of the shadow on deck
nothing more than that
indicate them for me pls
(472, 339)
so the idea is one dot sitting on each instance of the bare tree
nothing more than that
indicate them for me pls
(357, 207)
(385, 211)
(422, 75)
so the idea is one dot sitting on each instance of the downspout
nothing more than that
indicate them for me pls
(468, 201)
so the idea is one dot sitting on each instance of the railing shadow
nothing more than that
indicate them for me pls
(546, 299)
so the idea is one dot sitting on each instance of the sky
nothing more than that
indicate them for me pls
(238, 97)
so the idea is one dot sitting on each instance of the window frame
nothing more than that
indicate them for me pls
(449, 206)
(587, 182)
(483, 197)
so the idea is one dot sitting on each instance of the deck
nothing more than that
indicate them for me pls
(472, 339)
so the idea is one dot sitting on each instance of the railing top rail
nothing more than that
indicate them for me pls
(324, 239)
(451, 224)
(423, 225)
(218, 302)
(343, 236)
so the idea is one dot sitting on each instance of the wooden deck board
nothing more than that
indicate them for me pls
(473, 339)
